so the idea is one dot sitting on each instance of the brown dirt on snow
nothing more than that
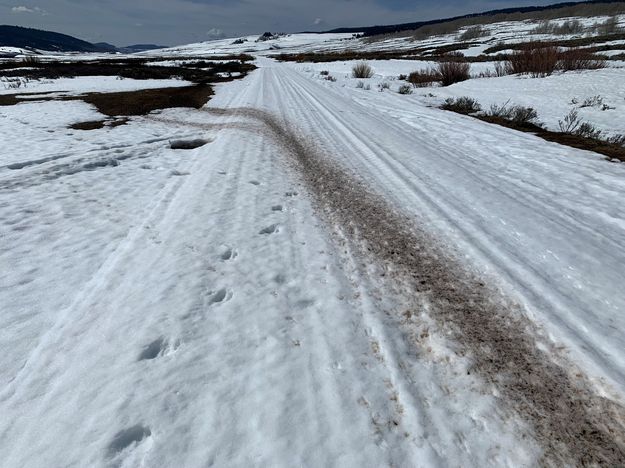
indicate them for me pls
(570, 420)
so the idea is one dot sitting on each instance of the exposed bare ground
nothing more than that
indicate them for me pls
(570, 420)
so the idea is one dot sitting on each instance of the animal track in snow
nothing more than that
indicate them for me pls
(254, 182)
(291, 194)
(269, 229)
(223, 295)
(276, 208)
(127, 437)
(229, 254)
(153, 350)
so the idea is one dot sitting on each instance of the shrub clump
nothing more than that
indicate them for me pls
(454, 72)
(519, 115)
(534, 59)
(362, 70)
(422, 78)
(405, 89)
(568, 27)
(462, 105)
(579, 59)
(541, 59)
(501, 68)
(574, 125)
(609, 26)
(473, 32)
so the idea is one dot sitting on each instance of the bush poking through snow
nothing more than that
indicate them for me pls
(609, 26)
(616, 140)
(574, 125)
(588, 130)
(454, 72)
(324, 72)
(423, 78)
(13, 82)
(384, 85)
(535, 59)
(31, 60)
(566, 28)
(594, 101)
(330, 78)
(579, 59)
(570, 122)
(519, 115)
(473, 32)
(501, 69)
(540, 60)
(362, 70)
(405, 89)
(462, 105)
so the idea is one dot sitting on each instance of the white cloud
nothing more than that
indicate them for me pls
(25, 9)
(318, 21)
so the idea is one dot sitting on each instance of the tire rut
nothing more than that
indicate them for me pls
(573, 424)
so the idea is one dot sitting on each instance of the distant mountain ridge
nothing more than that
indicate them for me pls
(29, 38)
(393, 28)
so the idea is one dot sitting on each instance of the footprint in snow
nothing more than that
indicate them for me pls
(229, 254)
(276, 208)
(254, 182)
(218, 297)
(128, 437)
(155, 349)
(269, 230)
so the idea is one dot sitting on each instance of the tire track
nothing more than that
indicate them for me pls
(571, 422)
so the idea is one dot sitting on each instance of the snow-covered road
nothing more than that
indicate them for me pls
(543, 219)
(193, 308)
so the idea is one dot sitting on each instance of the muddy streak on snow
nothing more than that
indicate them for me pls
(571, 422)
(569, 419)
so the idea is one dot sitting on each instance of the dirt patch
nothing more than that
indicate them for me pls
(9, 99)
(138, 69)
(140, 102)
(573, 424)
(188, 144)
(128, 103)
(91, 125)
(96, 124)
(147, 100)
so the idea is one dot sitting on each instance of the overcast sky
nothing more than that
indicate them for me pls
(172, 22)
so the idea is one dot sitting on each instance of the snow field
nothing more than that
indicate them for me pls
(182, 308)
(553, 97)
(186, 307)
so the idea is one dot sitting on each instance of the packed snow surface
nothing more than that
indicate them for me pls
(168, 307)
